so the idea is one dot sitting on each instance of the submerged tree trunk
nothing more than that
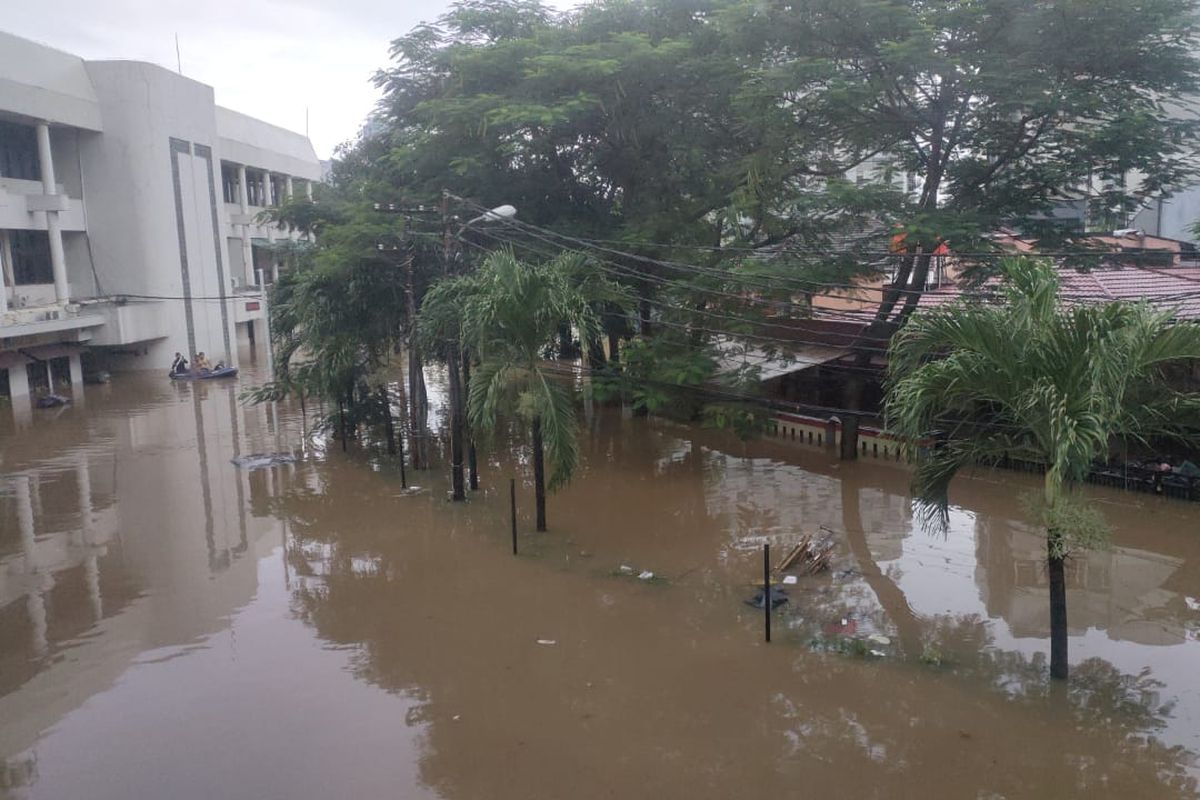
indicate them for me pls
(1056, 567)
(539, 473)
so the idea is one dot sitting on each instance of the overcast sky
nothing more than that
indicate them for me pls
(271, 59)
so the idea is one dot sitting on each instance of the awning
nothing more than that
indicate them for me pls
(734, 355)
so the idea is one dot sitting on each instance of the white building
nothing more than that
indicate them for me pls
(128, 204)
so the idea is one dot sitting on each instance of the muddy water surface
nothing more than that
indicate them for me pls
(173, 625)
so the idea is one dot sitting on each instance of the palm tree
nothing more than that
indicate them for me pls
(1032, 378)
(509, 313)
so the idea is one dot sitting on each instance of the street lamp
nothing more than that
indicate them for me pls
(497, 214)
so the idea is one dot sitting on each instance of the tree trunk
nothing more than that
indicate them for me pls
(1056, 567)
(456, 425)
(539, 473)
(614, 348)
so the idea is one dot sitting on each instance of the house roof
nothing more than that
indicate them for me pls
(1173, 289)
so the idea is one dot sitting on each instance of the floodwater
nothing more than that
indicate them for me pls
(173, 625)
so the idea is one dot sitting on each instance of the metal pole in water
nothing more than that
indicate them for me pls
(403, 474)
(512, 497)
(767, 588)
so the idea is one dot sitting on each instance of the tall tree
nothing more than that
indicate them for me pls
(1031, 379)
(999, 110)
(509, 312)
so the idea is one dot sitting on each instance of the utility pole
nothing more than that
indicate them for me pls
(414, 363)
(453, 368)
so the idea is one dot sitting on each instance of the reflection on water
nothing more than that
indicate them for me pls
(172, 625)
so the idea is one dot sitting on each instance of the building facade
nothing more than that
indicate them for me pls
(129, 206)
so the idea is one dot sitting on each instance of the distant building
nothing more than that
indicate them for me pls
(128, 205)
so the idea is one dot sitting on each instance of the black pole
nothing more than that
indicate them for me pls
(342, 422)
(403, 475)
(767, 588)
(512, 497)
(455, 371)
(472, 456)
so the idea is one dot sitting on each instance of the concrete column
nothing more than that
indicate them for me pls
(287, 183)
(243, 196)
(269, 200)
(76, 374)
(18, 381)
(58, 260)
(18, 387)
(244, 201)
(5, 270)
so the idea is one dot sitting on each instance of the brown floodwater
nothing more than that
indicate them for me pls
(175, 625)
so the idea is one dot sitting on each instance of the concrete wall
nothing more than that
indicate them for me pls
(249, 141)
(40, 82)
(150, 205)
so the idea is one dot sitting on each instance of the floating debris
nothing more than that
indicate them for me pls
(625, 569)
(790, 580)
(1192, 603)
(809, 556)
(879, 639)
(645, 575)
(844, 627)
(778, 598)
(547, 641)
(260, 460)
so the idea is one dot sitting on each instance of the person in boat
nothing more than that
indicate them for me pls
(180, 365)
(202, 362)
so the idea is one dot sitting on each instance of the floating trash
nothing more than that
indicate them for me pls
(625, 569)
(790, 580)
(1192, 603)
(778, 598)
(645, 575)
(879, 639)
(260, 460)
(547, 641)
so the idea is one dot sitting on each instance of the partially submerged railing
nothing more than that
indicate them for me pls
(875, 442)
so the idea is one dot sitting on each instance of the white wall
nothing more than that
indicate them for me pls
(132, 210)
(40, 82)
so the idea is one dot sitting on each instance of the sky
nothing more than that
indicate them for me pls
(271, 59)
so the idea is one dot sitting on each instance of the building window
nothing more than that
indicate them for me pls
(18, 152)
(31, 257)
(229, 183)
(254, 192)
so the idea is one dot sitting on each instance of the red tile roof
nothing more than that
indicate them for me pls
(1174, 289)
